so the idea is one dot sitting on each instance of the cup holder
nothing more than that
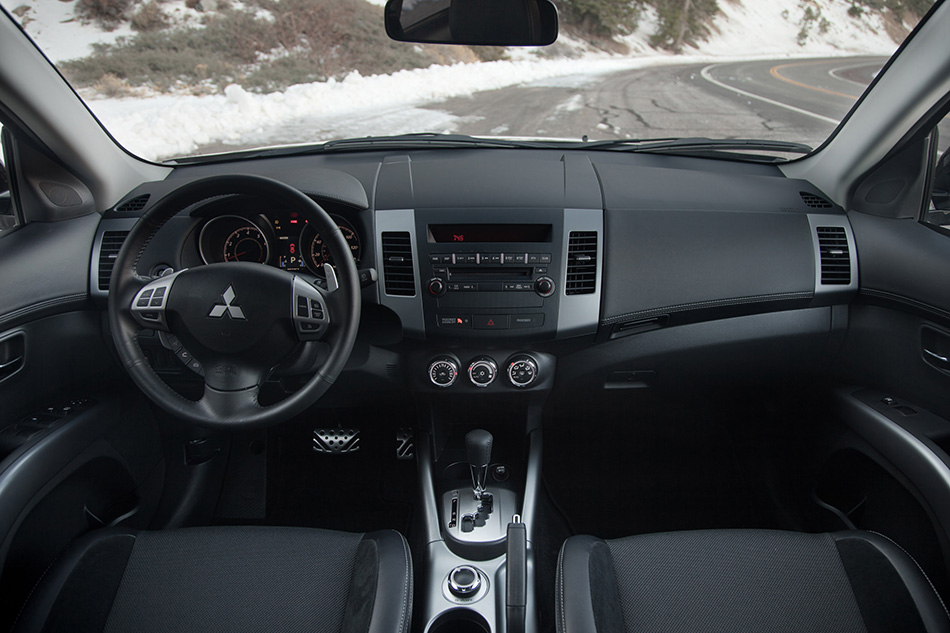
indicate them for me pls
(459, 621)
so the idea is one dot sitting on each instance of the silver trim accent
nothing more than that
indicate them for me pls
(152, 316)
(825, 292)
(486, 362)
(522, 358)
(408, 309)
(579, 314)
(464, 590)
(448, 361)
(117, 224)
(315, 324)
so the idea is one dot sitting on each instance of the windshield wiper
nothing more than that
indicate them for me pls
(703, 146)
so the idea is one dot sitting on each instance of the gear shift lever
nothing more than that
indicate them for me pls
(478, 450)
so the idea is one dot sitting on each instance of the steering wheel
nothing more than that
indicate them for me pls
(237, 319)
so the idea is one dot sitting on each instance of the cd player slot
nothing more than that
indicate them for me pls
(508, 273)
(491, 300)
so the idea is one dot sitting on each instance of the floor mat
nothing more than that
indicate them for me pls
(646, 466)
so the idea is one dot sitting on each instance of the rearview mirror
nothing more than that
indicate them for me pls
(472, 22)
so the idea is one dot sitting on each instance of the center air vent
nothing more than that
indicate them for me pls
(133, 205)
(581, 263)
(397, 264)
(108, 251)
(813, 201)
(835, 256)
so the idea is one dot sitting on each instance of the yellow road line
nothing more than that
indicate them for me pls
(774, 71)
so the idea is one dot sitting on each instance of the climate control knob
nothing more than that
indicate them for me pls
(482, 371)
(522, 371)
(443, 371)
(436, 287)
(544, 286)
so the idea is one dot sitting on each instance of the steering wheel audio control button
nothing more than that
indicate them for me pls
(148, 305)
(311, 317)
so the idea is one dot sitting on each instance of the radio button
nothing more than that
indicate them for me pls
(526, 320)
(544, 286)
(435, 259)
(469, 287)
(436, 287)
(494, 258)
(545, 258)
(534, 258)
(490, 321)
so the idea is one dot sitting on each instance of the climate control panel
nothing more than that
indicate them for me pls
(488, 372)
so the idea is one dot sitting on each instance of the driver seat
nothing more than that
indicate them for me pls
(225, 579)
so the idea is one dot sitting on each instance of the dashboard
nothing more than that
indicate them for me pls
(487, 258)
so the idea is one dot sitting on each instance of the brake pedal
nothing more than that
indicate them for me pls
(336, 441)
(405, 444)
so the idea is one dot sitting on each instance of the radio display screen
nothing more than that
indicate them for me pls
(485, 233)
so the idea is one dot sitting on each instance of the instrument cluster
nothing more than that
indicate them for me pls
(280, 238)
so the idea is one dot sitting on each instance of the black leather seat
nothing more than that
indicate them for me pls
(226, 579)
(744, 581)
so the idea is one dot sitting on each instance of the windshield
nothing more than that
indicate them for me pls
(178, 78)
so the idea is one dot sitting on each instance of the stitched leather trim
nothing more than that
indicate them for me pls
(56, 305)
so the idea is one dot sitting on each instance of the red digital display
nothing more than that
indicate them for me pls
(487, 233)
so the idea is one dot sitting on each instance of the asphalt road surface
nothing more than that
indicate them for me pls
(799, 100)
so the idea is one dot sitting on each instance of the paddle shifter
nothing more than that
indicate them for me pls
(478, 450)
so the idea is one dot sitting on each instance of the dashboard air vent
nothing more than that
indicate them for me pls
(835, 256)
(581, 263)
(397, 264)
(135, 204)
(813, 201)
(108, 251)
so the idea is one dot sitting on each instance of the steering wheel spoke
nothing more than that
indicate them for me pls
(149, 303)
(309, 311)
(228, 407)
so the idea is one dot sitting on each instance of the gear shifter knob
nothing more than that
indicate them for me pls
(478, 445)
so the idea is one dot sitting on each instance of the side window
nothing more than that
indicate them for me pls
(938, 213)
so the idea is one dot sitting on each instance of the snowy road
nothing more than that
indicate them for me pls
(782, 99)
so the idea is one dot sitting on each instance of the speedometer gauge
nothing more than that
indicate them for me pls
(315, 251)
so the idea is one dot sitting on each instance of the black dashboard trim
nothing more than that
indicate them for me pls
(701, 305)
(886, 299)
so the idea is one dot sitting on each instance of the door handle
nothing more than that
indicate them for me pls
(937, 359)
(12, 355)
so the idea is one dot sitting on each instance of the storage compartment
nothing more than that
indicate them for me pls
(459, 621)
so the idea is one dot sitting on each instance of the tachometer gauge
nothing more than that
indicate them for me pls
(246, 244)
(231, 238)
(315, 251)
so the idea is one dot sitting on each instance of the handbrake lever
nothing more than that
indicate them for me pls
(516, 591)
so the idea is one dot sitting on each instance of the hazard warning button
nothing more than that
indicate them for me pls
(490, 322)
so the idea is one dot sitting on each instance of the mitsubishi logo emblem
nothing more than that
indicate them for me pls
(232, 311)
